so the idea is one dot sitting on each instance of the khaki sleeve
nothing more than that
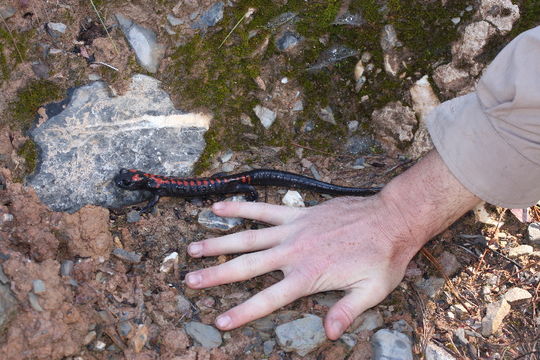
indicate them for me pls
(490, 139)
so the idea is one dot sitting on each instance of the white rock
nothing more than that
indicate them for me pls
(482, 215)
(501, 13)
(169, 262)
(265, 115)
(298, 105)
(293, 198)
(423, 97)
(515, 295)
(475, 37)
(520, 251)
(495, 314)
(358, 70)
(390, 344)
(434, 352)
(534, 233)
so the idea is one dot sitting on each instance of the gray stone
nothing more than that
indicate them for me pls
(265, 115)
(66, 268)
(226, 156)
(349, 340)
(38, 286)
(517, 295)
(213, 222)
(495, 314)
(327, 114)
(288, 40)
(281, 20)
(174, 21)
(84, 146)
(434, 352)
(359, 145)
(403, 327)
(520, 250)
(350, 19)
(55, 29)
(7, 11)
(3, 278)
(33, 299)
(8, 306)
(368, 321)
(449, 263)
(359, 164)
(127, 256)
(328, 299)
(534, 233)
(133, 216)
(268, 347)
(184, 306)
(389, 345)
(500, 13)
(389, 39)
(302, 335)
(394, 125)
(430, 286)
(298, 105)
(143, 42)
(353, 125)
(210, 17)
(124, 328)
(332, 56)
(40, 69)
(208, 336)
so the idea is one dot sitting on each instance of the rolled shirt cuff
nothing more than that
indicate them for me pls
(479, 157)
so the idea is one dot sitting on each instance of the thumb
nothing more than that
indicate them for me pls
(342, 314)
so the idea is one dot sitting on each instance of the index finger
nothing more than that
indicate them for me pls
(268, 213)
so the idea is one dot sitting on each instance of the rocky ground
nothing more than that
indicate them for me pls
(336, 90)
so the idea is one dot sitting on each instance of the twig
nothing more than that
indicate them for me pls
(104, 27)
(12, 38)
(439, 268)
(246, 15)
(397, 166)
(105, 64)
(319, 151)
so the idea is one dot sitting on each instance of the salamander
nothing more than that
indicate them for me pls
(243, 183)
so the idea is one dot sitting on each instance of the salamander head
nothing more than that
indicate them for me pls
(130, 179)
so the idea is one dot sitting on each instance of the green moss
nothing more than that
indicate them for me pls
(29, 153)
(29, 99)
(221, 79)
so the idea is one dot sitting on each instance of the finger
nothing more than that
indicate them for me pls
(271, 214)
(261, 304)
(342, 314)
(245, 241)
(238, 269)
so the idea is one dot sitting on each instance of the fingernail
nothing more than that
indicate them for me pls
(193, 279)
(195, 249)
(218, 206)
(223, 322)
(337, 327)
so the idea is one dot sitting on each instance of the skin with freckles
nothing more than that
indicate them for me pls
(359, 245)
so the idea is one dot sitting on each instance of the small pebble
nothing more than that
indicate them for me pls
(3, 278)
(298, 106)
(99, 345)
(268, 347)
(293, 199)
(127, 256)
(34, 302)
(91, 336)
(284, 80)
(359, 164)
(174, 21)
(228, 167)
(38, 286)
(226, 156)
(66, 268)
(169, 262)
(315, 173)
(520, 251)
(7, 218)
(133, 216)
(353, 125)
(456, 20)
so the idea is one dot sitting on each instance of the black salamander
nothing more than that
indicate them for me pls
(242, 183)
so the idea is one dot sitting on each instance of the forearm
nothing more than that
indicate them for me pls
(424, 201)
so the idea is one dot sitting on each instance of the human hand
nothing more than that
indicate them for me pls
(342, 244)
(360, 245)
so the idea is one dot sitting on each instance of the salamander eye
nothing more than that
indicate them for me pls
(126, 182)
(124, 171)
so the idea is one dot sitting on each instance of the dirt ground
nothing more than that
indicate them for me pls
(98, 306)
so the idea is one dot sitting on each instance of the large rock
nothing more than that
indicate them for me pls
(394, 125)
(208, 336)
(302, 335)
(500, 13)
(495, 314)
(475, 37)
(143, 42)
(450, 78)
(85, 145)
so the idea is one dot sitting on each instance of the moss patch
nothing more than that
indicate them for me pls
(38, 92)
(29, 153)
(221, 79)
